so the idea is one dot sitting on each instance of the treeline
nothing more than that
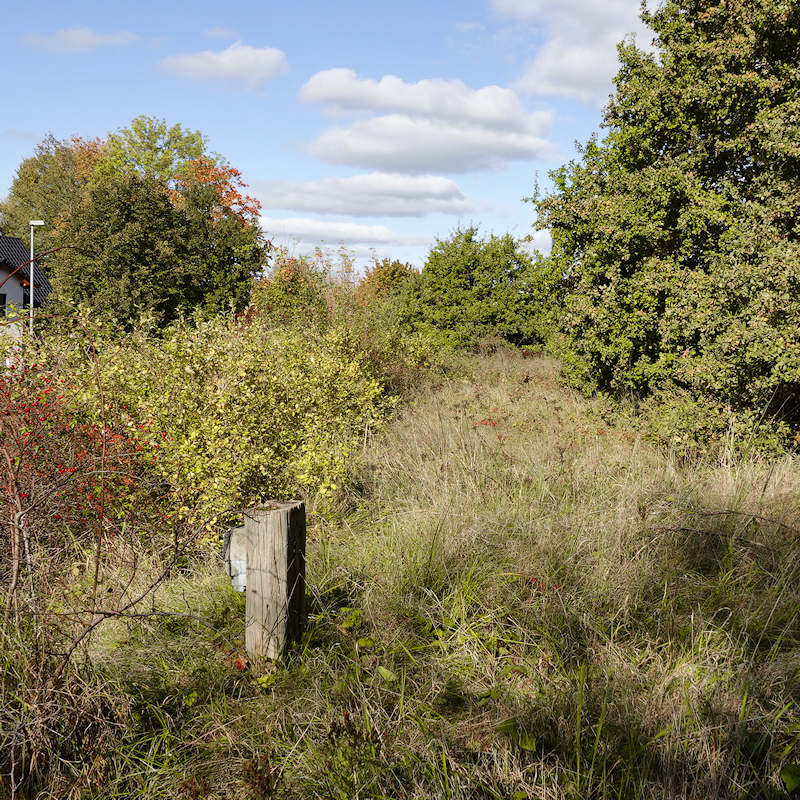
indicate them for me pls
(673, 281)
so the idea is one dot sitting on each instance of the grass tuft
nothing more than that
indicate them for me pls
(524, 600)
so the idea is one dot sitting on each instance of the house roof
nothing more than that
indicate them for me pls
(14, 253)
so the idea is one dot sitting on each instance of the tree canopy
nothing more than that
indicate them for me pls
(472, 287)
(47, 186)
(678, 233)
(153, 148)
(148, 221)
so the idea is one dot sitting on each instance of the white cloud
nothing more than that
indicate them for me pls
(448, 100)
(585, 13)
(251, 67)
(319, 231)
(77, 40)
(375, 194)
(433, 125)
(581, 70)
(541, 241)
(578, 58)
(401, 143)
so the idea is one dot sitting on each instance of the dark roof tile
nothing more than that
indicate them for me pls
(14, 253)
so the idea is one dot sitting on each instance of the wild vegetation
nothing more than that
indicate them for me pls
(677, 234)
(554, 521)
(521, 599)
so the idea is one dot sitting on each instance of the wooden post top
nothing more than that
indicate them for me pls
(273, 505)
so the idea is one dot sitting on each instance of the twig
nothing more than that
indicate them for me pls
(147, 591)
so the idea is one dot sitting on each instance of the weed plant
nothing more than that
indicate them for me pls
(520, 600)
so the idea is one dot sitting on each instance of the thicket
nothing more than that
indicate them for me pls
(123, 456)
(677, 234)
(472, 289)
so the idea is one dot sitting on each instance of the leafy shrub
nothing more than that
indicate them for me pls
(472, 288)
(386, 278)
(239, 410)
(677, 234)
(68, 481)
(692, 428)
(296, 287)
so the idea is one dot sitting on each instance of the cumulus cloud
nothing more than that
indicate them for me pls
(580, 70)
(405, 144)
(319, 231)
(433, 125)
(436, 98)
(251, 67)
(375, 194)
(578, 58)
(541, 241)
(77, 40)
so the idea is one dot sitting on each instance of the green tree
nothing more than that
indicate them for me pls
(152, 148)
(149, 221)
(47, 186)
(471, 288)
(132, 248)
(222, 252)
(678, 234)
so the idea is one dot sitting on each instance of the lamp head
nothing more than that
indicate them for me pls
(36, 223)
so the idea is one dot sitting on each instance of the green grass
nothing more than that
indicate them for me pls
(523, 599)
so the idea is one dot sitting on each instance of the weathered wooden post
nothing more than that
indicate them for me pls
(275, 536)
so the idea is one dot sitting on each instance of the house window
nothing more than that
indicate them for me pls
(26, 297)
(3, 302)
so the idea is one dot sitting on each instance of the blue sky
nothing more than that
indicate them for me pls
(379, 126)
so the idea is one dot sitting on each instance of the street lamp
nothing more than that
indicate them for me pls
(34, 223)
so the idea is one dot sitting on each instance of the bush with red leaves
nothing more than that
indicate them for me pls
(65, 482)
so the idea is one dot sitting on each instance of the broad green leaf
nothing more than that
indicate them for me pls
(387, 674)
(790, 777)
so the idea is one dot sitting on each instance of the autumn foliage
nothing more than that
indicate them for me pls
(66, 480)
(228, 185)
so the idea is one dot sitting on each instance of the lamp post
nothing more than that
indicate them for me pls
(34, 223)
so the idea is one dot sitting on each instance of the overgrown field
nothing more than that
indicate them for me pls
(522, 599)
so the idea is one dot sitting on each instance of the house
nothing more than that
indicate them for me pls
(15, 286)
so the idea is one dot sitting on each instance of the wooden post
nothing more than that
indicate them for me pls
(276, 573)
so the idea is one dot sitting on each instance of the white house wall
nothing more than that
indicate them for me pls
(12, 288)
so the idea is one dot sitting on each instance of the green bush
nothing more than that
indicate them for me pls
(386, 278)
(473, 288)
(296, 287)
(239, 410)
(678, 233)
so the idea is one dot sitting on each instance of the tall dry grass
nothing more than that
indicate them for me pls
(525, 600)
